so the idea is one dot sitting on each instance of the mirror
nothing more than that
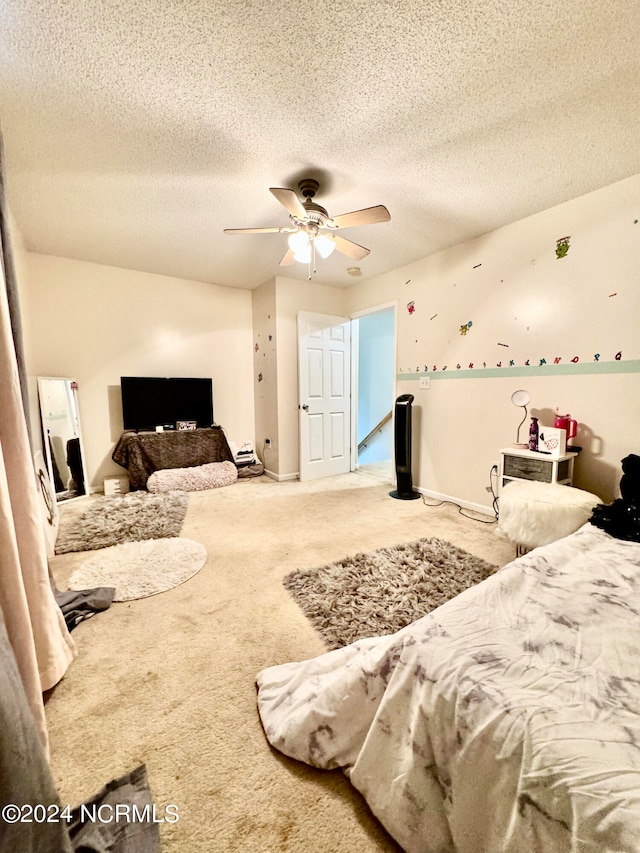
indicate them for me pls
(61, 436)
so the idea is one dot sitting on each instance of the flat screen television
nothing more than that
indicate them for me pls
(151, 401)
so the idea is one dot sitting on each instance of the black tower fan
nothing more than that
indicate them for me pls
(405, 491)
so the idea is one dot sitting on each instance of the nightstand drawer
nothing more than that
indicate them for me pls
(527, 469)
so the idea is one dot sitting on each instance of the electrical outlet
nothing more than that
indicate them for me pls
(267, 442)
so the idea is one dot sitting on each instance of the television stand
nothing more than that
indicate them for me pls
(142, 453)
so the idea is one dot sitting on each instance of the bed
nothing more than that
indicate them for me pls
(506, 720)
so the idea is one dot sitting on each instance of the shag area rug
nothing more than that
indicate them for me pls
(371, 594)
(122, 518)
(140, 569)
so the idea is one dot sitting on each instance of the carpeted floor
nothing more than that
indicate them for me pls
(380, 592)
(169, 681)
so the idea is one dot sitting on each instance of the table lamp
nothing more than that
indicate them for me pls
(522, 399)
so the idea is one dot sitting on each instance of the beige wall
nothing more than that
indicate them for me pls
(265, 373)
(96, 323)
(524, 304)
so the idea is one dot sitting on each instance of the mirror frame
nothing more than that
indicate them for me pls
(72, 392)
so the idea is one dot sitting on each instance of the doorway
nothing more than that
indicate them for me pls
(374, 374)
(347, 385)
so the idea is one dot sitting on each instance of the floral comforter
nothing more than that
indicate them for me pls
(506, 720)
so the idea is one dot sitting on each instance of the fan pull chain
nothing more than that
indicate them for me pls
(313, 254)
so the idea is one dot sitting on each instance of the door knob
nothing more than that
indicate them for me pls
(305, 407)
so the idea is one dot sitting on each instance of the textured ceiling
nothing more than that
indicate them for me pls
(135, 131)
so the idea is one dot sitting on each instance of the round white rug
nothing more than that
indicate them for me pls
(140, 569)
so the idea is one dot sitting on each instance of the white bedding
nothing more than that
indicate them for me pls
(506, 720)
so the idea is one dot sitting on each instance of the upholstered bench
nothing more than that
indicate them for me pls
(211, 475)
(534, 513)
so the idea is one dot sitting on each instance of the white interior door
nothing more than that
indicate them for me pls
(324, 381)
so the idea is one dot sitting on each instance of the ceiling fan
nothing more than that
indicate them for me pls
(312, 229)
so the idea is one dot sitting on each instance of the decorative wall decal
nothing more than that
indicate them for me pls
(458, 366)
(543, 361)
(502, 345)
(618, 355)
(411, 307)
(596, 357)
(511, 362)
(259, 377)
(476, 266)
(556, 360)
(612, 294)
(562, 247)
(499, 364)
(484, 363)
(256, 347)
(575, 359)
(270, 337)
(465, 328)
(445, 367)
(408, 280)
(527, 362)
(434, 317)
(470, 365)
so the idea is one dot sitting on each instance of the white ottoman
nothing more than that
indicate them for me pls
(533, 513)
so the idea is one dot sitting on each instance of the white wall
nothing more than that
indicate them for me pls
(528, 309)
(96, 323)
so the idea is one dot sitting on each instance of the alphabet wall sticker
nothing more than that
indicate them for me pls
(465, 328)
(411, 307)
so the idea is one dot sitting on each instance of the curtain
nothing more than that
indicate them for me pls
(35, 625)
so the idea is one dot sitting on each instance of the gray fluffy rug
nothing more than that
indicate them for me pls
(378, 593)
(133, 517)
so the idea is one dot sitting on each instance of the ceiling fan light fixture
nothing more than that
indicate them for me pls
(299, 242)
(325, 245)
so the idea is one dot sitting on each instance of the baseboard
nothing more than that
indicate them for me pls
(281, 477)
(438, 496)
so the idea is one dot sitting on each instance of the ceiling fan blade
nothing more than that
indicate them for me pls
(349, 248)
(290, 201)
(257, 230)
(288, 259)
(367, 216)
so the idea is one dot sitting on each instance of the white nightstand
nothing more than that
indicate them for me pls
(517, 464)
